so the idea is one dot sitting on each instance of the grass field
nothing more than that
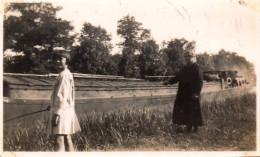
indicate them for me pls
(229, 125)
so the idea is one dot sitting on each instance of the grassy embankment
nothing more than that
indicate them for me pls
(230, 125)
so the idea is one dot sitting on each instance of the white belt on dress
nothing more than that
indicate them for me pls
(64, 109)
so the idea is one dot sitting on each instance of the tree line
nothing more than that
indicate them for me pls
(37, 34)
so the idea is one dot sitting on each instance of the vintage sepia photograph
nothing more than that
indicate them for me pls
(121, 76)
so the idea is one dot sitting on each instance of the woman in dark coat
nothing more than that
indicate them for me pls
(187, 103)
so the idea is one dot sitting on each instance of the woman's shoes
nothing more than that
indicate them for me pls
(189, 129)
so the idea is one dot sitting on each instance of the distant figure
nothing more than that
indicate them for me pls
(187, 103)
(62, 120)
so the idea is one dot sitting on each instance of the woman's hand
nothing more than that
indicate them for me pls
(195, 96)
(55, 120)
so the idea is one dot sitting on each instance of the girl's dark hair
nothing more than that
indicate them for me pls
(66, 55)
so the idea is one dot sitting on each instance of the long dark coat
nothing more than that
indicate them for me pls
(187, 110)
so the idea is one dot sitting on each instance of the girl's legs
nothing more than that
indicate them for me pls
(69, 143)
(60, 146)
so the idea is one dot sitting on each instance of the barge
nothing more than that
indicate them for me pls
(26, 93)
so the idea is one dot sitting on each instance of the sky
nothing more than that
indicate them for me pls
(213, 24)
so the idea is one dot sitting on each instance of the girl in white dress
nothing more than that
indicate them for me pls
(62, 120)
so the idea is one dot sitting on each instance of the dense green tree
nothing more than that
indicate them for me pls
(221, 60)
(205, 61)
(174, 54)
(35, 31)
(115, 60)
(226, 60)
(92, 53)
(151, 62)
(133, 34)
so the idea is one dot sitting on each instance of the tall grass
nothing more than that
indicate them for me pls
(230, 124)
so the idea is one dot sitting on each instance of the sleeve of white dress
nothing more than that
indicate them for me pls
(63, 94)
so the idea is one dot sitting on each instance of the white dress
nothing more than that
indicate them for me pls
(63, 104)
